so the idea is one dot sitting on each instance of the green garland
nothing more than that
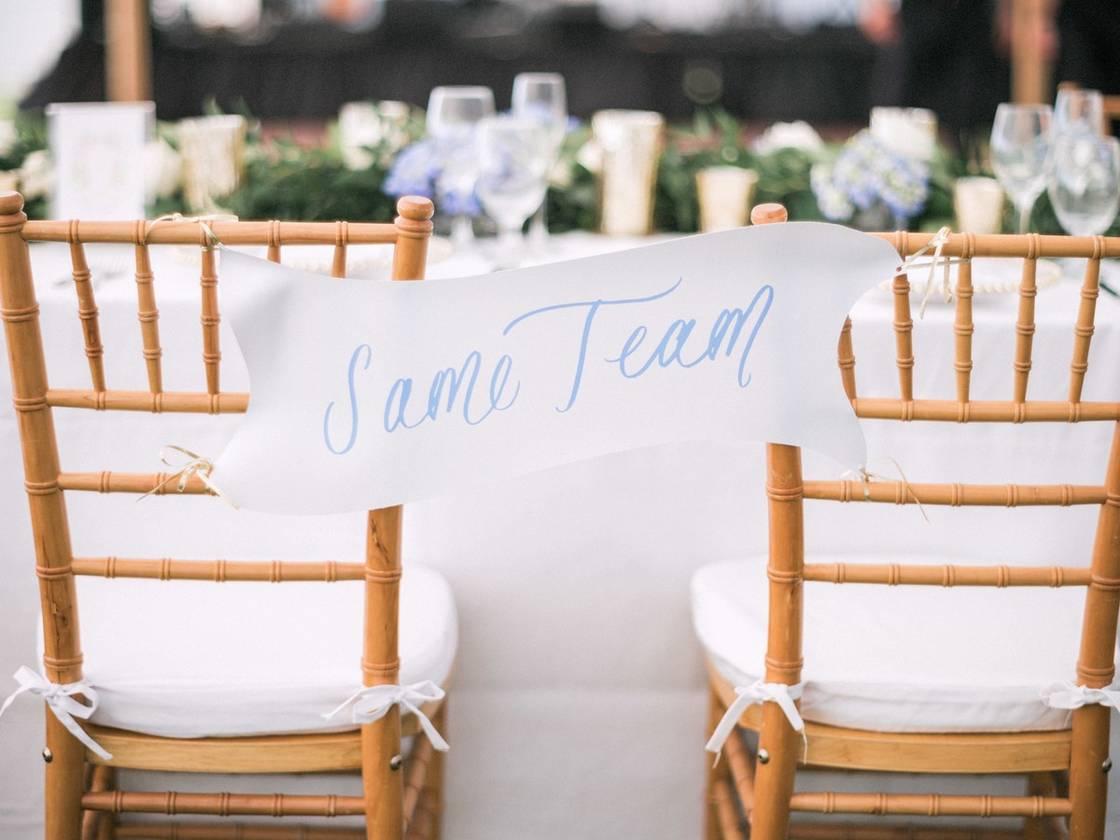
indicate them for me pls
(284, 180)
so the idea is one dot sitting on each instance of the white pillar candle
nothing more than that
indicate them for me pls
(978, 203)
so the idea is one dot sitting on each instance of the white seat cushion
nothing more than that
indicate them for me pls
(191, 659)
(905, 658)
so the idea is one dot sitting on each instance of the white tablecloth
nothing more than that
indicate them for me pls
(579, 707)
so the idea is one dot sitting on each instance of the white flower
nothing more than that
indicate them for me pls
(362, 125)
(36, 175)
(789, 135)
(163, 170)
(9, 180)
(908, 132)
(8, 136)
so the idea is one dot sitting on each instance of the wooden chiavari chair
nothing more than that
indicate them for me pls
(1067, 767)
(399, 795)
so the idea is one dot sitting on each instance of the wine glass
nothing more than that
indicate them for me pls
(543, 97)
(1020, 145)
(512, 178)
(453, 115)
(1084, 182)
(1078, 110)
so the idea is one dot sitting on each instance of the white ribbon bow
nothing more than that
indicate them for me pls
(1071, 696)
(747, 696)
(373, 703)
(60, 700)
(187, 463)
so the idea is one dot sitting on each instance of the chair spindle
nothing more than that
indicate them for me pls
(148, 313)
(1024, 325)
(962, 323)
(87, 310)
(211, 321)
(1086, 318)
(338, 259)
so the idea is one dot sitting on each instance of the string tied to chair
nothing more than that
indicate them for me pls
(747, 696)
(61, 699)
(864, 476)
(1069, 695)
(373, 702)
(187, 464)
(936, 244)
(203, 222)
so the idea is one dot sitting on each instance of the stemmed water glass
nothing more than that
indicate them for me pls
(453, 115)
(1078, 110)
(1084, 182)
(542, 97)
(512, 178)
(1020, 147)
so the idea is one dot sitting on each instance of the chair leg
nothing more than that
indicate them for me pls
(382, 779)
(65, 783)
(711, 818)
(1088, 774)
(778, 749)
(433, 781)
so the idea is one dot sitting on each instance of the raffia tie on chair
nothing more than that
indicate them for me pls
(1071, 696)
(194, 464)
(865, 477)
(747, 696)
(374, 702)
(935, 244)
(60, 699)
(202, 221)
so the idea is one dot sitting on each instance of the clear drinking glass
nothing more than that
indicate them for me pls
(453, 116)
(1020, 146)
(513, 175)
(1084, 182)
(1079, 110)
(544, 98)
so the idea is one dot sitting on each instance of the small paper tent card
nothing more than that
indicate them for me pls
(98, 153)
(372, 393)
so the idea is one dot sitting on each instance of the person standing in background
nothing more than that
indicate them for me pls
(945, 55)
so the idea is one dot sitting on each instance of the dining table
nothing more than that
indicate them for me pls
(578, 706)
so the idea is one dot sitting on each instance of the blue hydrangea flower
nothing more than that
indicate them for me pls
(866, 173)
(414, 171)
(459, 203)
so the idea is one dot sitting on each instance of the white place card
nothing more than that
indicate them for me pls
(98, 154)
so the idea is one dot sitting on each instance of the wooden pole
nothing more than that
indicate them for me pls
(128, 51)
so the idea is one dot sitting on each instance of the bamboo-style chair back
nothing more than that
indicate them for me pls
(787, 490)
(47, 481)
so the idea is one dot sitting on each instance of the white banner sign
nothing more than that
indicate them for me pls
(371, 393)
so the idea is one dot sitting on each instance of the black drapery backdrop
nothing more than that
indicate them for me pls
(946, 60)
(308, 70)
